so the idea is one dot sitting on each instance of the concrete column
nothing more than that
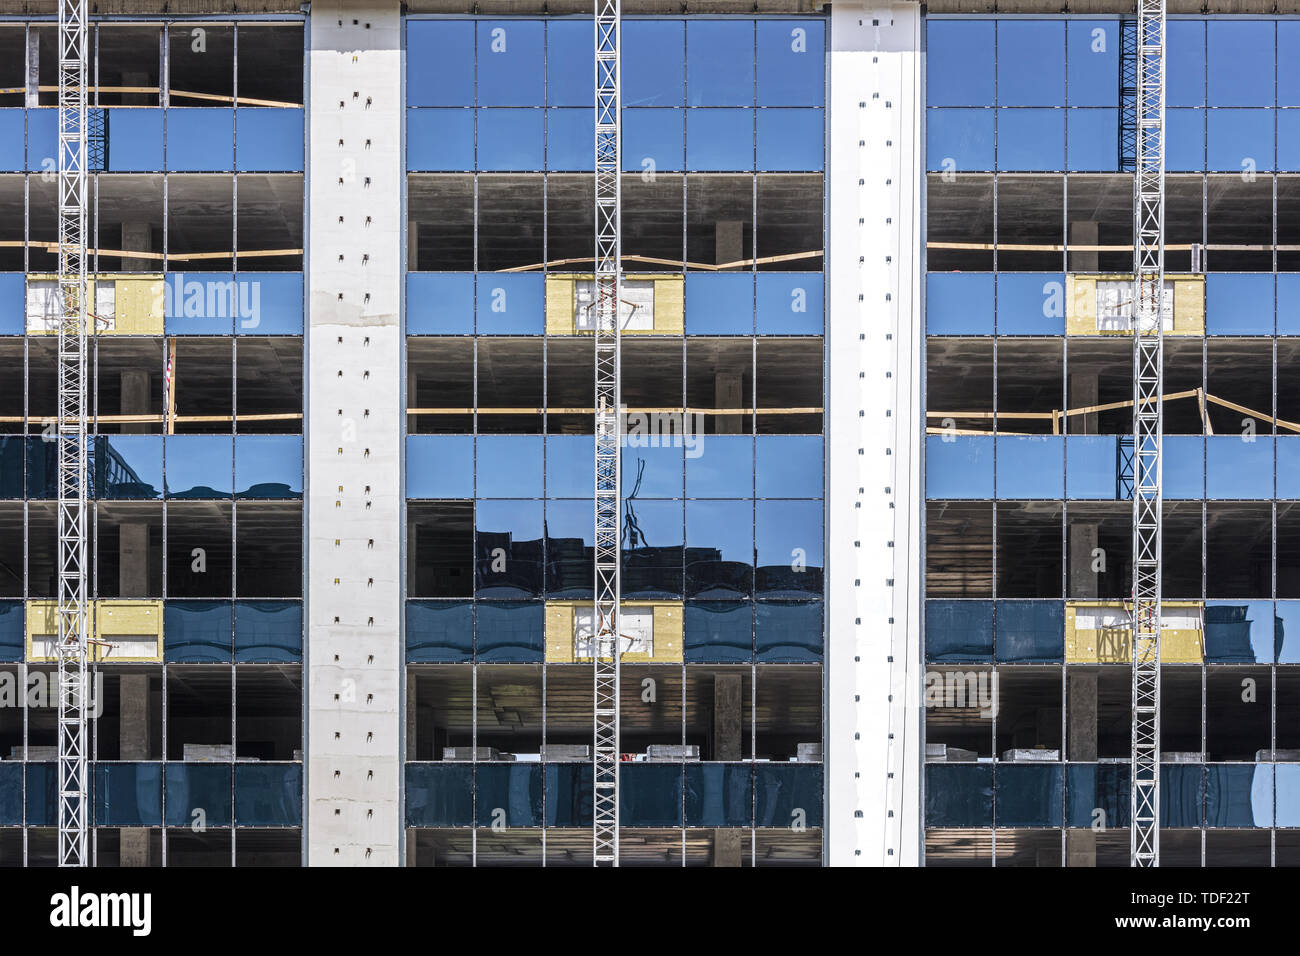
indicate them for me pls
(729, 847)
(1083, 232)
(728, 241)
(133, 742)
(135, 399)
(412, 246)
(874, 334)
(727, 697)
(137, 99)
(412, 559)
(133, 559)
(138, 237)
(354, 507)
(1083, 393)
(1080, 848)
(1082, 544)
(133, 736)
(1081, 712)
(412, 719)
(729, 392)
(412, 397)
(32, 97)
(133, 850)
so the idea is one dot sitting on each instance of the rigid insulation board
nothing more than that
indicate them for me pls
(1088, 296)
(649, 305)
(1099, 632)
(123, 631)
(652, 632)
(124, 305)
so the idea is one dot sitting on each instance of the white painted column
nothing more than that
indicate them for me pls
(875, 336)
(354, 654)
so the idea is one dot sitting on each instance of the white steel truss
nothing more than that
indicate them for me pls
(1148, 430)
(72, 641)
(605, 619)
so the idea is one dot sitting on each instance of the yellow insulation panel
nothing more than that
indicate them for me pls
(1112, 643)
(669, 303)
(139, 306)
(1189, 305)
(124, 631)
(559, 633)
(1081, 304)
(136, 301)
(559, 305)
(667, 622)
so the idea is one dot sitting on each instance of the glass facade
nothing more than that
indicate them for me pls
(1028, 454)
(196, 522)
(723, 520)
(205, 197)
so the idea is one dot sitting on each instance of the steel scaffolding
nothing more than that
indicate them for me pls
(1148, 429)
(605, 616)
(71, 643)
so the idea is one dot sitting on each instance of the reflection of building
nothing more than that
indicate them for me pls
(1227, 633)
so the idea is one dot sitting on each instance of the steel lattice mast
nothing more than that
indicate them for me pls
(1148, 429)
(605, 616)
(71, 643)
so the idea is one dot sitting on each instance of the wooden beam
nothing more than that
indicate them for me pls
(158, 419)
(171, 387)
(537, 410)
(158, 256)
(674, 263)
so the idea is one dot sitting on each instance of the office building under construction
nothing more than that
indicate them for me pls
(654, 434)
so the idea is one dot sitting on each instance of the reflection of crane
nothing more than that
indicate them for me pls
(111, 469)
(633, 534)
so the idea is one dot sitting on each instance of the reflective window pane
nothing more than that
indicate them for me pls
(654, 58)
(511, 62)
(788, 632)
(959, 140)
(1185, 63)
(719, 631)
(788, 546)
(268, 466)
(719, 63)
(1031, 62)
(510, 631)
(959, 62)
(1030, 632)
(439, 631)
(719, 549)
(508, 536)
(1240, 62)
(509, 466)
(1092, 55)
(1241, 632)
(791, 62)
(440, 62)
(199, 466)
